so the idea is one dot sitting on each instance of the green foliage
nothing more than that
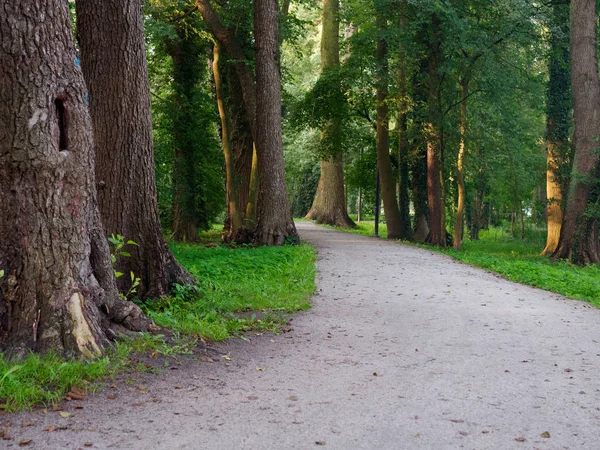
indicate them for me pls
(234, 281)
(520, 261)
(119, 243)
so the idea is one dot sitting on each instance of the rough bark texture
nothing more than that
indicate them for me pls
(329, 205)
(437, 229)
(58, 281)
(579, 237)
(113, 57)
(384, 162)
(558, 123)
(275, 225)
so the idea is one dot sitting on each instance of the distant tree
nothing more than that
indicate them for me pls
(58, 288)
(275, 225)
(116, 74)
(329, 205)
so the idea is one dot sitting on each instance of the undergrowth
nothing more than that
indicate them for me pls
(239, 289)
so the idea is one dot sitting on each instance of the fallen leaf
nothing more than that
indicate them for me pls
(416, 349)
(112, 396)
(136, 404)
(320, 442)
(507, 371)
(293, 398)
(114, 386)
(457, 420)
(143, 389)
(78, 406)
(545, 434)
(375, 374)
(65, 414)
(260, 369)
(520, 439)
(27, 424)
(24, 442)
(568, 370)
(226, 357)
(50, 429)
(179, 386)
(87, 444)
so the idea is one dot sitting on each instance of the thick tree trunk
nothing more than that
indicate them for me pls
(384, 162)
(58, 283)
(579, 237)
(558, 124)
(113, 56)
(460, 166)
(437, 229)
(275, 225)
(329, 205)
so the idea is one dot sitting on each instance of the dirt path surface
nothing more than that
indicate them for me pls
(403, 349)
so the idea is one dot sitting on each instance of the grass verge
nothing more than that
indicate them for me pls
(239, 289)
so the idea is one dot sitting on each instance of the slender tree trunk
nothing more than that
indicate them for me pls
(460, 165)
(437, 229)
(117, 77)
(58, 284)
(188, 202)
(579, 236)
(558, 124)
(253, 192)
(384, 162)
(329, 205)
(403, 149)
(233, 208)
(275, 225)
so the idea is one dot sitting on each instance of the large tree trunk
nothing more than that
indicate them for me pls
(437, 229)
(113, 57)
(558, 124)
(58, 283)
(579, 237)
(275, 225)
(460, 165)
(329, 205)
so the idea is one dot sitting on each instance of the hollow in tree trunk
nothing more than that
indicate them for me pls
(579, 236)
(275, 225)
(58, 291)
(116, 74)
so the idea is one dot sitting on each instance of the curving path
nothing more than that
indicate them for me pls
(403, 349)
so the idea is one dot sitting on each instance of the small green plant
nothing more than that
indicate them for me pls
(119, 243)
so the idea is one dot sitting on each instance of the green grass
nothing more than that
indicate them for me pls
(271, 280)
(520, 260)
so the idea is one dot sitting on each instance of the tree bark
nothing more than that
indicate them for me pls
(460, 165)
(437, 229)
(116, 74)
(59, 284)
(558, 124)
(403, 149)
(579, 236)
(233, 207)
(329, 205)
(384, 162)
(275, 225)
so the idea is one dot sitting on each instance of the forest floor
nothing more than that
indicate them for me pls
(404, 348)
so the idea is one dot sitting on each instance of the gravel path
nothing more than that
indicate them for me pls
(403, 349)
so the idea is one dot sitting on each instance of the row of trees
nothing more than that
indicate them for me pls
(459, 86)
(77, 164)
